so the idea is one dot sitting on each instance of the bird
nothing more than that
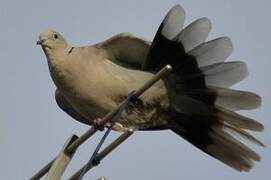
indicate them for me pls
(194, 100)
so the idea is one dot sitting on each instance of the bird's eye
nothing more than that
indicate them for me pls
(55, 36)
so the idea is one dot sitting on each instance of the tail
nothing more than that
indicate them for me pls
(202, 106)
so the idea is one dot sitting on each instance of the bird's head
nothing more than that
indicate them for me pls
(52, 41)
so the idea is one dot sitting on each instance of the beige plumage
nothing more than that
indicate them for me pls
(193, 101)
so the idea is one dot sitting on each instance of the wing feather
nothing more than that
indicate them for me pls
(126, 50)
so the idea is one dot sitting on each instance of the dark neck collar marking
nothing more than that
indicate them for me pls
(70, 50)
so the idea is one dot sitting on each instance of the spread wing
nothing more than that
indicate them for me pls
(126, 50)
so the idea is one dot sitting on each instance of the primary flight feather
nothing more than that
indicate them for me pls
(194, 100)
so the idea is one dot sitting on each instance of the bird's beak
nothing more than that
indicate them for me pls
(39, 42)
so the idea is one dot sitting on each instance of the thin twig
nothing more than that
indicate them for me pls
(103, 153)
(116, 117)
(70, 149)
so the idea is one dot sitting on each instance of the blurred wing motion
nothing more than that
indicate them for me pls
(201, 105)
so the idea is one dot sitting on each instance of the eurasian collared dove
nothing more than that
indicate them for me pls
(193, 101)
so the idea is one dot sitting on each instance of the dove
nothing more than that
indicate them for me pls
(195, 100)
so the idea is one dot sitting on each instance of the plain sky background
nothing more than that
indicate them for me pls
(33, 129)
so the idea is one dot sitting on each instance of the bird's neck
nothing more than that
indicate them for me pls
(57, 60)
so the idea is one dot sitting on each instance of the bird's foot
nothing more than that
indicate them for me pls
(97, 124)
(120, 128)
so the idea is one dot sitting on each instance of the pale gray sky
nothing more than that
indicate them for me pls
(33, 129)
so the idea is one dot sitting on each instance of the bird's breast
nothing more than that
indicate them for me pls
(90, 90)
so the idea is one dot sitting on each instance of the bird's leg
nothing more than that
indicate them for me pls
(98, 125)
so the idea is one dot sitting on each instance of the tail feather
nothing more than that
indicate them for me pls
(228, 152)
(235, 100)
(173, 22)
(195, 33)
(215, 51)
(201, 108)
(243, 134)
(229, 99)
(232, 143)
(221, 152)
(224, 74)
(218, 139)
(238, 120)
(220, 74)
